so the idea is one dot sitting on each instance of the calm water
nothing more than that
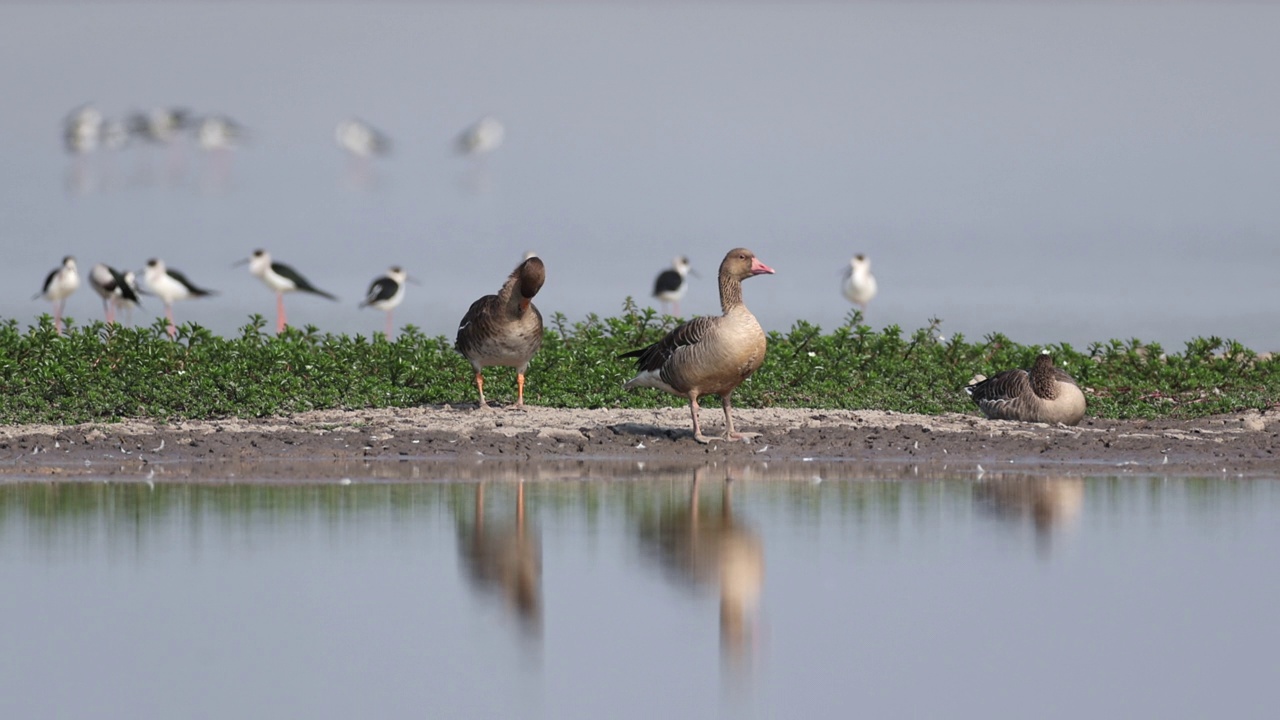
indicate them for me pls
(1053, 171)
(619, 592)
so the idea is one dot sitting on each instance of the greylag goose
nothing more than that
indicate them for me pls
(58, 286)
(859, 284)
(113, 287)
(709, 355)
(671, 284)
(281, 279)
(386, 292)
(1042, 394)
(705, 548)
(170, 285)
(505, 559)
(505, 329)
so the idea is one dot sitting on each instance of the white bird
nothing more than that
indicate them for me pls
(217, 132)
(58, 286)
(671, 284)
(386, 292)
(361, 139)
(82, 130)
(859, 284)
(483, 137)
(170, 286)
(281, 279)
(112, 286)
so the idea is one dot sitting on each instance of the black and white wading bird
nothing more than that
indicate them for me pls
(709, 355)
(484, 136)
(504, 329)
(1044, 394)
(386, 293)
(671, 284)
(58, 286)
(170, 286)
(281, 279)
(112, 286)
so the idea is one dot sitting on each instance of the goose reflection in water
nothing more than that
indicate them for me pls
(703, 548)
(505, 559)
(1049, 503)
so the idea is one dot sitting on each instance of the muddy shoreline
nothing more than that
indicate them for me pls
(355, 443)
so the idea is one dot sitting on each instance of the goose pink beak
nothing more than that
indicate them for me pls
(759, 268)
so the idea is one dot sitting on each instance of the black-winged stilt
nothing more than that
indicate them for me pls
(387, 292)
(361, 139)
(671, 284)
(170, 286)
(111, 285)
(482, 137)
(82, 130)
(281, 279)
(504, 329)
(58, 286)
(859, 284)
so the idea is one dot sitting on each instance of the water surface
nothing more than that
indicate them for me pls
(640, 593)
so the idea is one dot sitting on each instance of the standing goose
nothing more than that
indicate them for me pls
(170, 285)
(387, 292)
(281, 279)
(111, 285)
(670, 285)
(859, 284)
(505, 329)
(709, 355)
(1044, 394)
(58, 286)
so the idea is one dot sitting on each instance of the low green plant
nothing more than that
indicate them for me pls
(100, 372)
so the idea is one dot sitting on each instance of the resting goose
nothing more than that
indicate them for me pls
(505, 329)
(859, 284)
(1043, 394)
(709, 355)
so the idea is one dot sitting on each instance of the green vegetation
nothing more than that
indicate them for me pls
(99, 372)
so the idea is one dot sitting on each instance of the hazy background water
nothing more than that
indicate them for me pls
(1066, 597)
(1056, 172)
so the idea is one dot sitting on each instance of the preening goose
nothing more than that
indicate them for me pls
(504, 329)
(1043, 394)
(58, 286)
(709, 355)
(281, 279)
(859, 284)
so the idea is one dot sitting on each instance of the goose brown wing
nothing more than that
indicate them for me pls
(1004, 388)
(478, 317)
(684, 335)
(1061, 376)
